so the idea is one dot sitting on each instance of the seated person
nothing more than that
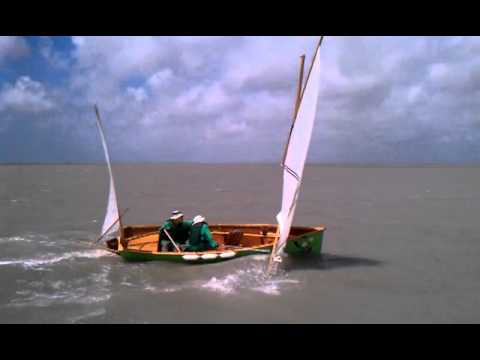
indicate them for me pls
(177, 228)
(200, 237)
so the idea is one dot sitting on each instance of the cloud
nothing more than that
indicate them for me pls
(138, 94)
(25, 96)
(389, 99)
(12, 47)
(376, 93)
(55, 58)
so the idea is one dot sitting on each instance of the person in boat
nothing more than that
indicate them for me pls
(200, 236)
(178, 229)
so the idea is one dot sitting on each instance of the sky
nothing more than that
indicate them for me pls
(230, 99)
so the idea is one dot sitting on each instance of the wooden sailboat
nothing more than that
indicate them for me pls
(140, 242)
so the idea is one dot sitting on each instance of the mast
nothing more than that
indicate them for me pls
(300, 92)
(311, 65)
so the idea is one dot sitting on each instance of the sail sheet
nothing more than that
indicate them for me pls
(297, 153)
(111, 224)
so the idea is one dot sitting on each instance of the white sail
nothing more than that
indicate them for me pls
(111, 224)
(297, 153)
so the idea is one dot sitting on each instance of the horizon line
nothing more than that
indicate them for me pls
(331, 164)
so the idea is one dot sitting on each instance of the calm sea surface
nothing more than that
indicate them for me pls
(402, 245)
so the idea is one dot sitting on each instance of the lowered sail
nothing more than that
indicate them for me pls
(111, 223)
(297, 152)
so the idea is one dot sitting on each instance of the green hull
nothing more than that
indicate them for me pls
(306, 244)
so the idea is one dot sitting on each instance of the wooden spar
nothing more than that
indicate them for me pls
(311, 65)
(300, 91)
(111, 226)
(300, 83)
(297, 105)
(122, 239)
(173, 242)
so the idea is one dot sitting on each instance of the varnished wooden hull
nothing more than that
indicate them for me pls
(235, 240)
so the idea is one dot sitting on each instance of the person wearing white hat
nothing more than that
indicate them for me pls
(177, 228)
(200, 236)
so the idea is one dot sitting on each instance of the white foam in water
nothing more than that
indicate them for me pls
(259, 257)
(171, 289)
(223, 286)
(29, 238)
(88, 315)
(33, 263)
(270, 289)
(15, 239)
(86, 291)
(76, 296)
(252, 278)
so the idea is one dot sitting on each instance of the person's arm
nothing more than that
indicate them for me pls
(167, 225)
(208, 237)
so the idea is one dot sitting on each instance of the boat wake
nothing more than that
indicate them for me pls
(88, 315)
(52, 259)
(86, 291)
(17, 239)
(250, 278)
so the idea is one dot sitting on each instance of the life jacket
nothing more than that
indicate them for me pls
(196, 234)
(178, 232)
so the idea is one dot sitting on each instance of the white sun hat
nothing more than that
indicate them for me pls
(198, 219)
(176, 215)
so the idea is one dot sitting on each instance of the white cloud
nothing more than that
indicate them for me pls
(414, 93)
(438, 71)
(204, 100)
(12, 47)
(138, 94)
(26, 95)
(380, 97)
(160, 80)
(53, 57)
(119, 56)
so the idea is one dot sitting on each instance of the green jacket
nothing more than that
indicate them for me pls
(201, 238)
(179, 233)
